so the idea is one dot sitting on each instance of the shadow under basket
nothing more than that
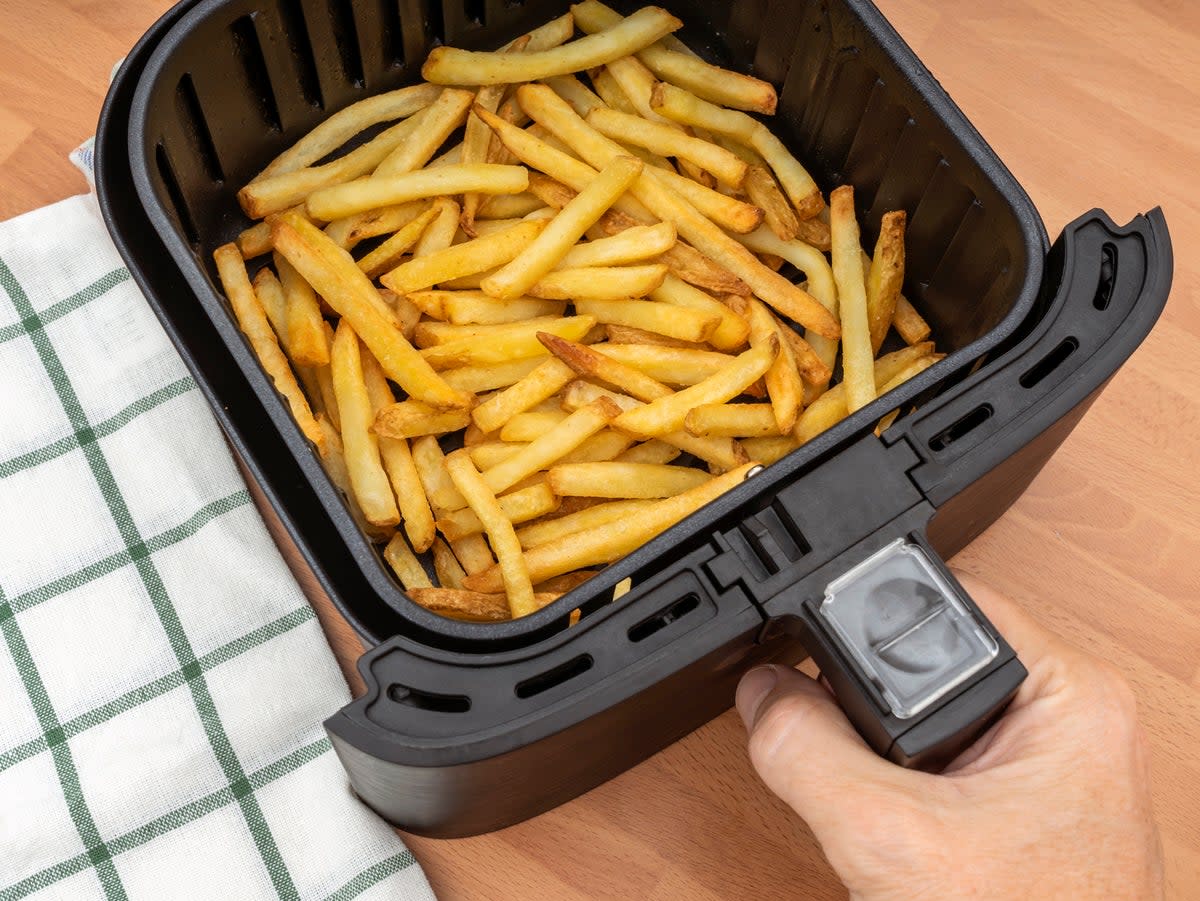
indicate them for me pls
(835, 551)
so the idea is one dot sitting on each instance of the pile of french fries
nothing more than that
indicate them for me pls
(539, 318)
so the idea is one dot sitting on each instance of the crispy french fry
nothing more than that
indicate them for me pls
(605, 543)
(601, 447)
(641, 242)
(248, 309)
(489, 377)
(407, 312)
(784, 387)
(731, 332)
(812, 368)
(560, 585)
(388, 254)
(334, 461)
(477, 308)
(733, 421)
(518, 507)
(770, 450)
(363, 194)
(450, 573)
(433, 125)
(599, 283)
(351, 231)
(489, 453)
(412, 419)
(398, 463)
(597, 515)
(666, 415)
(528, 426)
(764, 191)
(480, 498)
(623, 480)
(908, 322)
(654, 451)
(586, 361)
(516, 342)
(469, 606)
(885, 277)
(683, 323)
(368, 480)
(609, 90)
(449, 65)
(548, 248)
(542, 382)
(623, 334)
(406, 566)
(857, 355)
(636, 83)
(469, 258)
(440, 232)
(668, 141)
(669, 365)
(693, 267)
(431, 467)
(255, 240)
(473, 553)
(509, 206)
(582, 99)
(333, 273)
(305, 334)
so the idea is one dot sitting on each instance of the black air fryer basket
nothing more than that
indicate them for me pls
(833, 552)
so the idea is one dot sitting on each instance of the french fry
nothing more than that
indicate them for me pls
(454, 262)
(733, 421)
(508, 206)
(623, 480)
(560, 585)
(592, 517)
(603, 544)
(582, 99)
(601, 447)
(546, 380)
(669, 365)
(599, 283)
(857, 355)
(693, 267)
(668, 141)
(255, 240)
(908, 322)
(553, 445)
(731, 332)
(431, 467)
(477, 308)
(517, 342)
(503, 538)
(812, 368)
(683, 323)
(449, 572)
(473, 553)
(764, 191)
(440, 233)
(526, 427)
(388, 254)
(398, 463)
(432, 126)
(345, 124)
(784, 387)
(548, 248)
(405, 565)
(248, 309)
(885, 277)
(334, 275)
(350, 231)
(654, 451)
(334, 461)
(363, 194)
(449, 65)
(469, 606)
(770, 450)
(407, 312)
(624, 334)
(489, 377)
(635, 82)
(666, 415)
(586, 361)
(641, 242)
(610, 91)
(412, 419)
(517, 507)
(489, 453)
(370, 483)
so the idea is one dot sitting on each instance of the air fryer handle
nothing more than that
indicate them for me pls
(949, 722)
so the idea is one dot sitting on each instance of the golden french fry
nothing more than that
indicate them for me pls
(473, 553)
(248, 309)
(432, 126)
(336, 277)
(477, 308)
(586, 361)
(501, 535)
(450, 573)
(406, 566)
(784, 387)
(490, 376)
(509, 206)
(468, 606)
(388, 254)
(733, 421)
(764, 191)
(398, 463)
(368, 480)
(305, 333)
(431, 467)
(601, 447)
(547, 250)
(857, 356)
(908, 322)
(546, 380)
(607, 542)
(412, 419)
(597, 515)
(654, 451)
(489, 453)
(560, 585)
(683, 323)
(623, 480)
(407, 312)
(254, 241)
(623, 334)
(812, 368)
(668, 141)
(693, 267)
(599, 283)
(610, 91)
(345, 124)
(636, 83)
(518, 507)
(514, 342)
(666, 415)
(528, 426)
(731, 332)
(669, 365)
(885, 277)
(641, 242)
(340, 200)
(582, 99)
(334, 460)
(770, 450)
(449, 65)
(350, 231)
(440, 233)
(468, 258)
(552, 34)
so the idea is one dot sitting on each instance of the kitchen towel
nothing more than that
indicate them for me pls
(162, 677)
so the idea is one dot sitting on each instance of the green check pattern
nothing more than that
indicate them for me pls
(162, 679)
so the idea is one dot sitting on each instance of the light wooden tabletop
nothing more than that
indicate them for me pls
(1090, 103)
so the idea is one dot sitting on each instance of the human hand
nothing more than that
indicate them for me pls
(1052, 802)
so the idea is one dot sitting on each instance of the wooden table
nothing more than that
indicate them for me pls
(1090, 103)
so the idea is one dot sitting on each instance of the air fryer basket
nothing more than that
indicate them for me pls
(466, 727)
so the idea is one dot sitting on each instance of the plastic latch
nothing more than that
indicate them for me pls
(907, 627)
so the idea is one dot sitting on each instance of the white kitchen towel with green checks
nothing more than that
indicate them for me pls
(162, 678)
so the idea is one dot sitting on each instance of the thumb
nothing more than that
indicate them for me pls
(806, 751)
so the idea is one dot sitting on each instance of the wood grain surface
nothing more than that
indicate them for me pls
(1090, 103)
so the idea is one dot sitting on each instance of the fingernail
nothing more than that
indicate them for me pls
(753, 688)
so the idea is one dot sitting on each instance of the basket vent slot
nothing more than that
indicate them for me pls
(392, 37)
(774, 541)
(1047, 364)
(659, 621)
(552, 678)
(292, 14)
(428, 700)
(196, 126)
(475, 11)
(435, 21)
(167, 173)
(960, 429)
(1108, 277)
(249, 51)
(345, 35)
